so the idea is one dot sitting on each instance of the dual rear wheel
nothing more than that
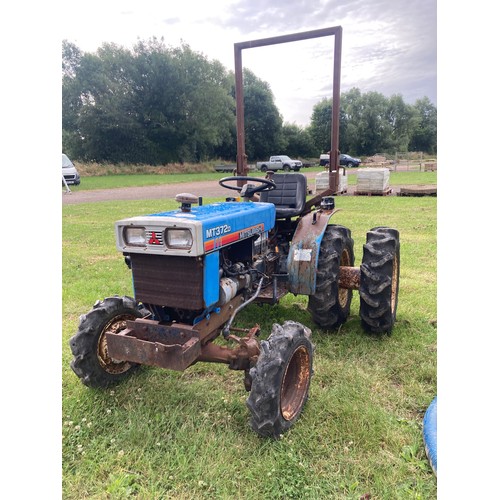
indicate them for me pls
(379, 279)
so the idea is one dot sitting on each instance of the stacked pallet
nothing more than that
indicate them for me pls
(373, 181)
(322, 182)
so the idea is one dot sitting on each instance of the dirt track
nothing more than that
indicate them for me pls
(206, 189)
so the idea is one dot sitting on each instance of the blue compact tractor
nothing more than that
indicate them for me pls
(195, 268)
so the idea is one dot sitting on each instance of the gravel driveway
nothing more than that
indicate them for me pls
(206, 189)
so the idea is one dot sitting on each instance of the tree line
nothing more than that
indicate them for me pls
(155, 104)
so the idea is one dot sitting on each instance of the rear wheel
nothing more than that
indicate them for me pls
(280, 379)
(263, 168)
(379, 283)
(330, 305)
(91, 361)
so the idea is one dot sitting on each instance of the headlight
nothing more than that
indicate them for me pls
(179, 238)
(134, 236)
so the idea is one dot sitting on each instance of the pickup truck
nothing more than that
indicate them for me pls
(280, 162)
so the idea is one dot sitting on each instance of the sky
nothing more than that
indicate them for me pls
(388, 46)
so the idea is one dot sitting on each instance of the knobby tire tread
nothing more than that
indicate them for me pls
(324, 306)
(264, 401)
(380, 266)
(84, 344)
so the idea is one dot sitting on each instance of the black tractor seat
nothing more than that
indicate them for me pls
(289, 197)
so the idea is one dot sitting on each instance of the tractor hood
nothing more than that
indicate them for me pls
(196, 232)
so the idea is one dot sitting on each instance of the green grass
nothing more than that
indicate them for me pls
(139, 180)
(185, 435)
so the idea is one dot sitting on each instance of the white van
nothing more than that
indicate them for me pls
(69, 172)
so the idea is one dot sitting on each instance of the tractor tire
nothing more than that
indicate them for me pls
(91, 361)
(379, 283)
(280, 379)
(330, 305)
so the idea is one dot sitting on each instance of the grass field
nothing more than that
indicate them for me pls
(144, 179)
(184, 435)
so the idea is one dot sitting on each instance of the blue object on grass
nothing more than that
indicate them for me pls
(430, 434)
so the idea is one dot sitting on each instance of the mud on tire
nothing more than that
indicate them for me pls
(91, 361)
(379, 285)
(330, 305)
(280, 379)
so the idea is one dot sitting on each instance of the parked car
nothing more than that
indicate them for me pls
(344, 160)
(279, 162)
(349, 161)
(69, 172)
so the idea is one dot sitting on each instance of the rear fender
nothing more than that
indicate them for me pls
(302, 260)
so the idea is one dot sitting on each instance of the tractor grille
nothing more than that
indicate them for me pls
(171, 281)
(154, 238)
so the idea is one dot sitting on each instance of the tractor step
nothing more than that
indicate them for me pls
(149, 342)
(271, 294)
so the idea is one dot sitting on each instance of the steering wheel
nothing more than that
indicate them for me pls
(248, 190)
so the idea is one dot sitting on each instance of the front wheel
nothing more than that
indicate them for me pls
(280, 379)
(286, 168)
(379, 283)
(91, 362)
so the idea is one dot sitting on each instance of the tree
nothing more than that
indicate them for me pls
(149, 105)
(401, 119)
(371, 122)
(207, 105)
(373, 130)
(263, 121)
(424, 134)
(156, 104)
(98, 116)
(297, 141)
(321, 125)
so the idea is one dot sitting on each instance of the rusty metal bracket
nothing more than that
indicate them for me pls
(167, 345)
(242, 357)
(148, 342)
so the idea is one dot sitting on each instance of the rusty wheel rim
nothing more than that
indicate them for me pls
(116, 325)
(344, 292)
(295, 383)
